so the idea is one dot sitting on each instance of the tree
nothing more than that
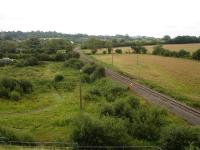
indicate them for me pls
(138, 48)
(34, 44)
(8, 46)
(109, 46)
(196, 55)
(166, 38)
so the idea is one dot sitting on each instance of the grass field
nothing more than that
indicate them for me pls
(44, 114)
(176, 47)
(179, 78)
(173, 47)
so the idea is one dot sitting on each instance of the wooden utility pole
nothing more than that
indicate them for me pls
(112, 56)
(81, 99)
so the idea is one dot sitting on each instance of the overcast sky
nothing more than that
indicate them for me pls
(103, 17)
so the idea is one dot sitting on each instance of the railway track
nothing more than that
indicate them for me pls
(189, 114)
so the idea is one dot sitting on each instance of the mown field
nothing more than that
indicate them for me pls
(173, 47)
(179, 78)
(176, 47)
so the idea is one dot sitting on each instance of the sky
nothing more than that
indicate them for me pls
(103, 17)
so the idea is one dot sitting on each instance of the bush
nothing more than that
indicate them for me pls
(25, 85)
(44, 57)
(74, 63)
(4, 62)
(104, 52)
(32, 61)
(147, 123)
(94, 51)
(72, 54)
(183, 53)
(11, 88)
(180, 137)
(60, 57)
(58, 78)
(196, 55)
(93, 132)
(133, 102)
(107, 110)
(108, 89)
(89, 68)
(8, 83)
(119, 51)
(85, 78)
(97, 74)
(113, 93)
(14, 95)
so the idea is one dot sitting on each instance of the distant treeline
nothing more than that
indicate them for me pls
(181, 39)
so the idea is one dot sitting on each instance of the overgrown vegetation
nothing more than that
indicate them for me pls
(13, 89)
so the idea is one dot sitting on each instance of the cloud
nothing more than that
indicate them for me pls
(108, 17)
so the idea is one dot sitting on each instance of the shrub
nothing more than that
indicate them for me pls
(147, 123)
(94, 51)
(32, 61)
(13, 89)
(72, 54)
(89, 68)
(109, 50)
(58, 78)
(4, 92)
(14, 95)
(8, 83)
(44, 57)
(108, 89)
(93, 132)
(119, 51)
(74, 63)
(7, 61)
(107, 110)
(180, 137)
(25, 85)
(97, 74)
(113, 93)
(196, 55)
(60, 57)
(104, 52)
(183, 53)
(122, 110)
(133, 102)
(85, 78)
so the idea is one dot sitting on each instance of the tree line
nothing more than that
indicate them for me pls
(159, 50)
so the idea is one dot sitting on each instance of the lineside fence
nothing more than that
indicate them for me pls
(6, 144)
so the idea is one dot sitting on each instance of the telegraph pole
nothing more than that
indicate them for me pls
(81, 99)
(112, 56)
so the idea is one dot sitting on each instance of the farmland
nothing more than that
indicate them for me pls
(172, 47)
(176, 47)
(179, 78)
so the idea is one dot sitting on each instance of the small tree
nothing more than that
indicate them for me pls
(58, 78)
(196, 55)
(94, 51)
(119, 51)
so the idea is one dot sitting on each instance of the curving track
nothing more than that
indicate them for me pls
(189, 114)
